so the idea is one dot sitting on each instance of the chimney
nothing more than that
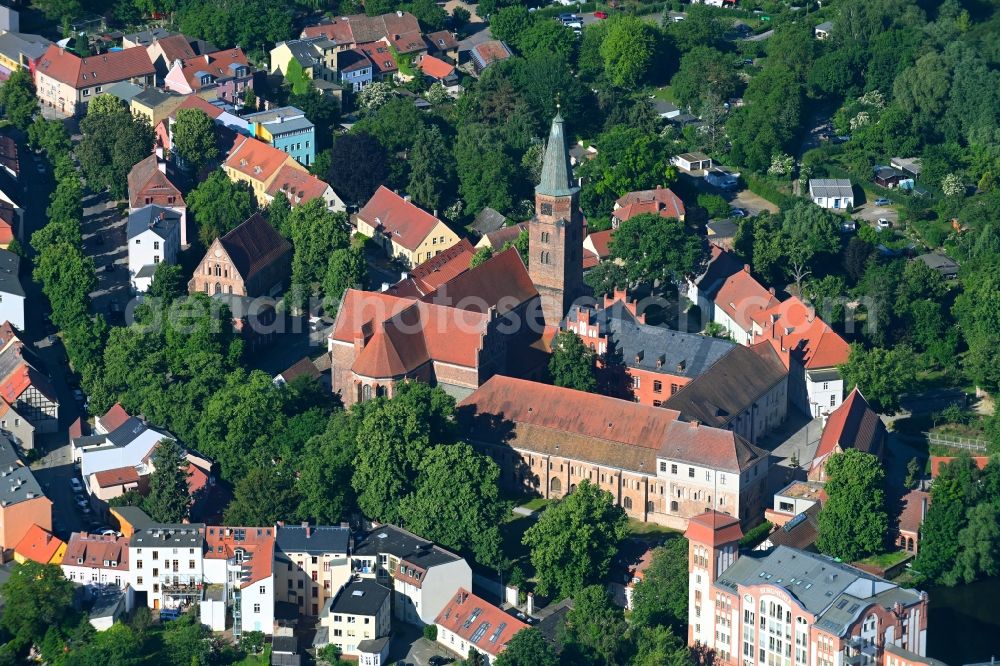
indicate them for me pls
(694, 425)
(529, 608)
(746, 268)
(208, 59)
(771, 291)
(161, 166)
(308, 530)
(923, 507)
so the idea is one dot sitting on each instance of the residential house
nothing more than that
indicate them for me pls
(287, 129)
(488, 220)
(39, 545)
(153, 236)
(888, 177)
(238, 570)
(656, 362)
(114, 463)
(10, 156)
(311, 564)
(913, 511)
(144, 38)
(437, 70)
(383, 61)
(65, 82)
(10, 224)
(399, 29)
(97, 560)
(597, 248)
(251, 260)
(486, 53)
(823, 30)
(301, 187)
(164, 51)
(442, 43)
(824, 606)
(810, 349)
(832, 193)
(257, 164)
(703, 289)
(228, 126)
(155, 105)
(746, 391)
(910, 165)
(124, 91)
(18, 429)
(304, 367)
(793, 500)
(405, 232)
(692, 163)
(469, 622)
(374, 652)
(722, 177)
(355, 69)
(360, 611)
(943, 264)
(665, 109)
(426, 277)
(23, 505)
(19, 50)
(739, 300)
(661, 201)
(221, 75)
(721, 232)
(496, 240)
(12, 294)
(853, 425)
(800, 531)
(479, 323)
(26, 388)
(422, 575)
(148, 184)
(656, 467)
(166, 563)
(316, 55)
(129, 519)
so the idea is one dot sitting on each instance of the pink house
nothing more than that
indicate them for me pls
(220, 75)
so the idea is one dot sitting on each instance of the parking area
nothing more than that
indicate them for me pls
(872, 214)
(752, 203)
(410, 647)
(104, 241)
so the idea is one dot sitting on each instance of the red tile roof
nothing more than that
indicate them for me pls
(399, 28)
(741, 297)
(853, 425)
(8, 222)
(18, 381)
(501, 282)
(662, 200)
(381, 57)
(937, 462)
(500, 237)
(435, 67)
(197, 478)
(7, 334)
(911, 516)
(9, 155)
(433, 272)
(713, 528)
(466, 615)
(258, 160)
(442, 40)
(145, 180)
(405, 222)
(217, 64)
(65, 67)
(195, 102)
(38, 545)
(297, 185)
(796, 328)
(118, 476)
(338, 30)
(602, 242)
(174, 47)
(490, 52)
(94, 550)
(257, 542)
(115, 417)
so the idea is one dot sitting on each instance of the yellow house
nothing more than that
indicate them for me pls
(155, 105)
(39, 545)
(21, 50)
(256, 163)
(318, 57)
(406, 232)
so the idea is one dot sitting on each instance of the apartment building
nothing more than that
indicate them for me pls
(239, 578)
(166, 564)
(470, 622)
(97, 560)
(312, 563)
(422, 576)
(792, 605)
(359, 612)
(23, 505)
(66, 83)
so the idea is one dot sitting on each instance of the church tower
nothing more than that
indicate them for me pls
(555, 261)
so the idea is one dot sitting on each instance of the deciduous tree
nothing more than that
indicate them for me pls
(881, 374)
(219, 206)
(660, 598)
(853, 523)
(264, 496)
(194, 138)
(169, 498)
(17, 97)
(572, 364)
(527, 648)
(654, 248)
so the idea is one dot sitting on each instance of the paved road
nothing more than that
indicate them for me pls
(761, 37)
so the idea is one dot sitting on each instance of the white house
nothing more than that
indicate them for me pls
(360, 612)
(832, 193)
(238, 572)
(166, 563)
(154, 236)
(11, 291)
(823, 30)
(722, 178)
(692, 162)
(468, 621)
(96, 560)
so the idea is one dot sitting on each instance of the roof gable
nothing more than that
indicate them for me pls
(403, 221)
(254, 246)
(110, 67)
(852, 425)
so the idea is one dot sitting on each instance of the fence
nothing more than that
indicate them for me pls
(956, 442)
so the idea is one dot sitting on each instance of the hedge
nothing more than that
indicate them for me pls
(756, 534)
(766, 189)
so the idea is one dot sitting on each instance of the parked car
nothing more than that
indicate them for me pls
(109, 268)
(737, 212)
(882, 202)
(75, 484)
(883, 223)
(82, 503)
(600, 15)
(78, 394)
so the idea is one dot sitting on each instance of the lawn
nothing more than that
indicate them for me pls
(535, 503)
(650, 531)
(665, 94)
(262, 659)
(886, 560)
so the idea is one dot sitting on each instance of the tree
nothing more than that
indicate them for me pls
(660, 598)
(978, 545)
(186, 641)
(194, 138)
(628, 49)
(955, 490)
(572, 364)
(913, 473)
(169, 498)
(594, 630)
(347, 269)
(527, 648)
(706, 28)
(325, 467)
(881, 374)
(715, 205)
(806, 231)
(702, 71)
(118, 645)
(36, 596)
(481, 256)
(659, 646)
(219, 206)
(168, 282)
(510, 22)
(323, 111)
(316, 233)
(457, 502)
(605, 277)
(60, 11)
(17, 97)
(977, 315)
(431, 174)
(113, 142)
(550, 39)
(853, 522)
(654, 248)
(105, 105)
(50, 136)
(263, 497)
(574, 541)
(296, 77)
(358, 165)
(485, 168)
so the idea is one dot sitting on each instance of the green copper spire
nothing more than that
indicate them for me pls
(557, 176)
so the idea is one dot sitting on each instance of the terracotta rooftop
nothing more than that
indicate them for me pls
(721, 266)
(65, 67)
(195, 102)
(550, 419)
(146, 180)
(602, 242)
(297, 185)
(257, 544)
(478, 622)
(433, 272)
(435, 67)
(116, 477)
(97, 551)
(442, 40)
(914, 508)
(501, 282)
(742, 297)
(401, 29)
(504, 235)
(253, 246)
(937, 462)
(490, 52)
(853, 425)
(174, 47)
(405, 222)
(304, 367)
(714, 528)
(217, 65)
(380, 56)
(258, 160)
(38, 545)
(115, 417)
(662, 200)
(796, 329)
